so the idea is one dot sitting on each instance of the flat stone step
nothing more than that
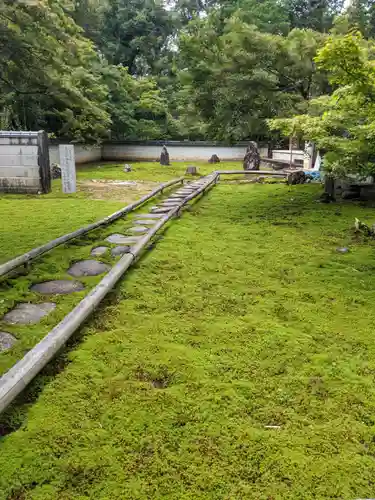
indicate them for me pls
(172, 202)
(121, 239)
(121, 250)
(177, 197)
(6, 341)
(98, 251)
(138, 229)
(148, 216)
(27, 314)
(58, 287)
(146, 222)
(88, 268)
(162, 210)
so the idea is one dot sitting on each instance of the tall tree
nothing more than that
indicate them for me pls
(317, 15)
(135, 33)
(49, 73)
(244, 76)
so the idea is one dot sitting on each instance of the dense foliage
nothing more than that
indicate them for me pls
(210, 69)
(342, 124)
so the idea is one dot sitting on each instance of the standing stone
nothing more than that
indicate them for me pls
(68, 168)
(214, 159)
(251, 160)
(191, 170)
(164, 156)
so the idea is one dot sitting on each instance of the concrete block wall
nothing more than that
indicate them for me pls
(19, 163)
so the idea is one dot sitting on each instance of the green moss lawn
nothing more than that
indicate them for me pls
(235, 361)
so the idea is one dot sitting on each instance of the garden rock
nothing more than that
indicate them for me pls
(55, 171)
(138, 229)
(298, 177)
(214, 159)
(191, 170)
(88, 268)
(164, 156)
(148, 216)
(27, 314)
(251, 160)
(342, 250)
(121, 250)
(98, 251)
(58, 287)
(120, 239)
(6, 341)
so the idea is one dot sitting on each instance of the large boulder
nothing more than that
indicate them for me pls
(251, 160)
(214, 159)
(298, 177)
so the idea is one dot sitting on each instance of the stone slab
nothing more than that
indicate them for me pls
(162, 210)
(27, 314)
(98, 251)
(146, 222)
(58, 287)
(121, 239)
(88, 268)
(148, 216)
(120, 250)
(138, 229)
(177, 196)
(6, 341)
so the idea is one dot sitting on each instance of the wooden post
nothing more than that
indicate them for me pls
(68, 168)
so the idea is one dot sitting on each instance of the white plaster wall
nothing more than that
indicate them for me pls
(138, 152)
(83, 154)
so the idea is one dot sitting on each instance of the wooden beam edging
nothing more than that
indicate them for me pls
(271, 173)
(35, 252)
(14, 381)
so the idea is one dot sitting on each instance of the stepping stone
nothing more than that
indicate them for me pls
(98, 251)
(148, 216)
(121, 250)
(6, 341)
(177, 196)
(27, 314)
(88, 268)
(162, 210)
(145, 222)
(120, 239)
(58, 287)
(139, 229)
(170, 204)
